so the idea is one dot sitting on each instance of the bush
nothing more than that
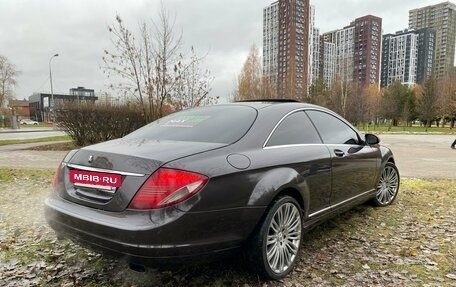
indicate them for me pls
(88, 123)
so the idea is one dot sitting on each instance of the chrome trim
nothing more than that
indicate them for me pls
(88, 168)
(108, 189)
(281, 120)
(290, 145)
(320, 211)
(342, 202)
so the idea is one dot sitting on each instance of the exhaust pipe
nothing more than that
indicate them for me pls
(137, 267)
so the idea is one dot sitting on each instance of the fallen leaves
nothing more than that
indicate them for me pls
(411, 243)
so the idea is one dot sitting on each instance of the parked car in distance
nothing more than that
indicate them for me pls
(28, 122)
(201, 182)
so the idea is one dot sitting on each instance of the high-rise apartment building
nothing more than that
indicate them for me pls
(293, 48)
(327, 58)
(357, 52)
(345, 44)
(367, 48)
(314, 49)
(399, 58)
(442, 18)
(407, 56)
(286, 41)
(426, 52)
(327, 71)
(271, 42)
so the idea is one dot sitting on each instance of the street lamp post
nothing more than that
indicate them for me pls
(52, 103)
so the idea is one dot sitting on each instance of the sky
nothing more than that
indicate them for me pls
(31, 31)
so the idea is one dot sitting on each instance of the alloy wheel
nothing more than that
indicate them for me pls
(283, 238)
(387, 185)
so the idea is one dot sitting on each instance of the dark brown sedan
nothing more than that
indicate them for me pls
(205, 181)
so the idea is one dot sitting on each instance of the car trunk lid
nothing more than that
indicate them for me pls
(108, 175)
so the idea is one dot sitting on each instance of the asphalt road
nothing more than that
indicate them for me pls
(423, 156)
(28, 133)
(417, 156)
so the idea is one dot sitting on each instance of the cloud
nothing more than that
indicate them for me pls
(32, 31)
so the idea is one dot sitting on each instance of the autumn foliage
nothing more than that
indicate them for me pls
(251, 84)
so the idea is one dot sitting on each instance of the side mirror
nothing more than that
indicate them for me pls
(371, 139)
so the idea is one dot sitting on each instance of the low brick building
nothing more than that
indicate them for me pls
(20, 108)
(41, 103)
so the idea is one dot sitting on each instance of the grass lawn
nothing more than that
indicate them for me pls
(38, 140)
(409, 243)
(406, 129)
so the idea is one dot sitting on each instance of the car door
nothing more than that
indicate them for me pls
(353, 162)
(296, 143)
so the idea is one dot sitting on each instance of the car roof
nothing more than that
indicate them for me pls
(263, 103)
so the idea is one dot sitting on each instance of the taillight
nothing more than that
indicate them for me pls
(167, 187)
(58, 173)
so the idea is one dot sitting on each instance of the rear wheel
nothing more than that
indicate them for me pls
(276, 244)
(388, 185)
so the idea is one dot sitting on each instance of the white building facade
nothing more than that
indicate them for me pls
(271, 42)
(400, 58)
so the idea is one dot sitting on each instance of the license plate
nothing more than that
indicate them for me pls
(99, 180)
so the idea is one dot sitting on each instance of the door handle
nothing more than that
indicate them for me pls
(339, 153)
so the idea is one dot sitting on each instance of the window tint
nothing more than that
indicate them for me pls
(294, 129)
(332, 130)
(216, 124)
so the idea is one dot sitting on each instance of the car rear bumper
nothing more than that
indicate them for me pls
(149, 237)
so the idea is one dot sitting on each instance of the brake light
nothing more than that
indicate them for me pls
(58, 173)
(167, 187)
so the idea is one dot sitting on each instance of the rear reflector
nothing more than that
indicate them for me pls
(167, 187)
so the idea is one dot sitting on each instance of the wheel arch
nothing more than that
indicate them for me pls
(256, 242)
(292, 192)
(281, 182)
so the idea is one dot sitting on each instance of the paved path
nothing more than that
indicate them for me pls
(420, 156)
(423, 156)
(16, 156)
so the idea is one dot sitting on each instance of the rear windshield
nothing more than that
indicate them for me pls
(214, 124)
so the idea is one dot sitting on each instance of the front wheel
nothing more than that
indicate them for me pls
(388, 185)
(276, 244)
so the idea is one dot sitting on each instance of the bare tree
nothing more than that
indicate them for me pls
(152, 66)
(428, 102)
(392, 104)
(192, 84)
(250, 83)
(373, 98)
(8, 74)
(339, 94)
(447, 98)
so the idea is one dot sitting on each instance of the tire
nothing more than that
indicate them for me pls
(274, 249)
(387, 186)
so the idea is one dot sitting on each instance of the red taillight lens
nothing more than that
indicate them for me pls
(58, 173)
(166, 187)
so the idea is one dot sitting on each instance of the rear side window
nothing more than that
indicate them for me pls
(332, 130)
(215, 124)
(294, 129)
